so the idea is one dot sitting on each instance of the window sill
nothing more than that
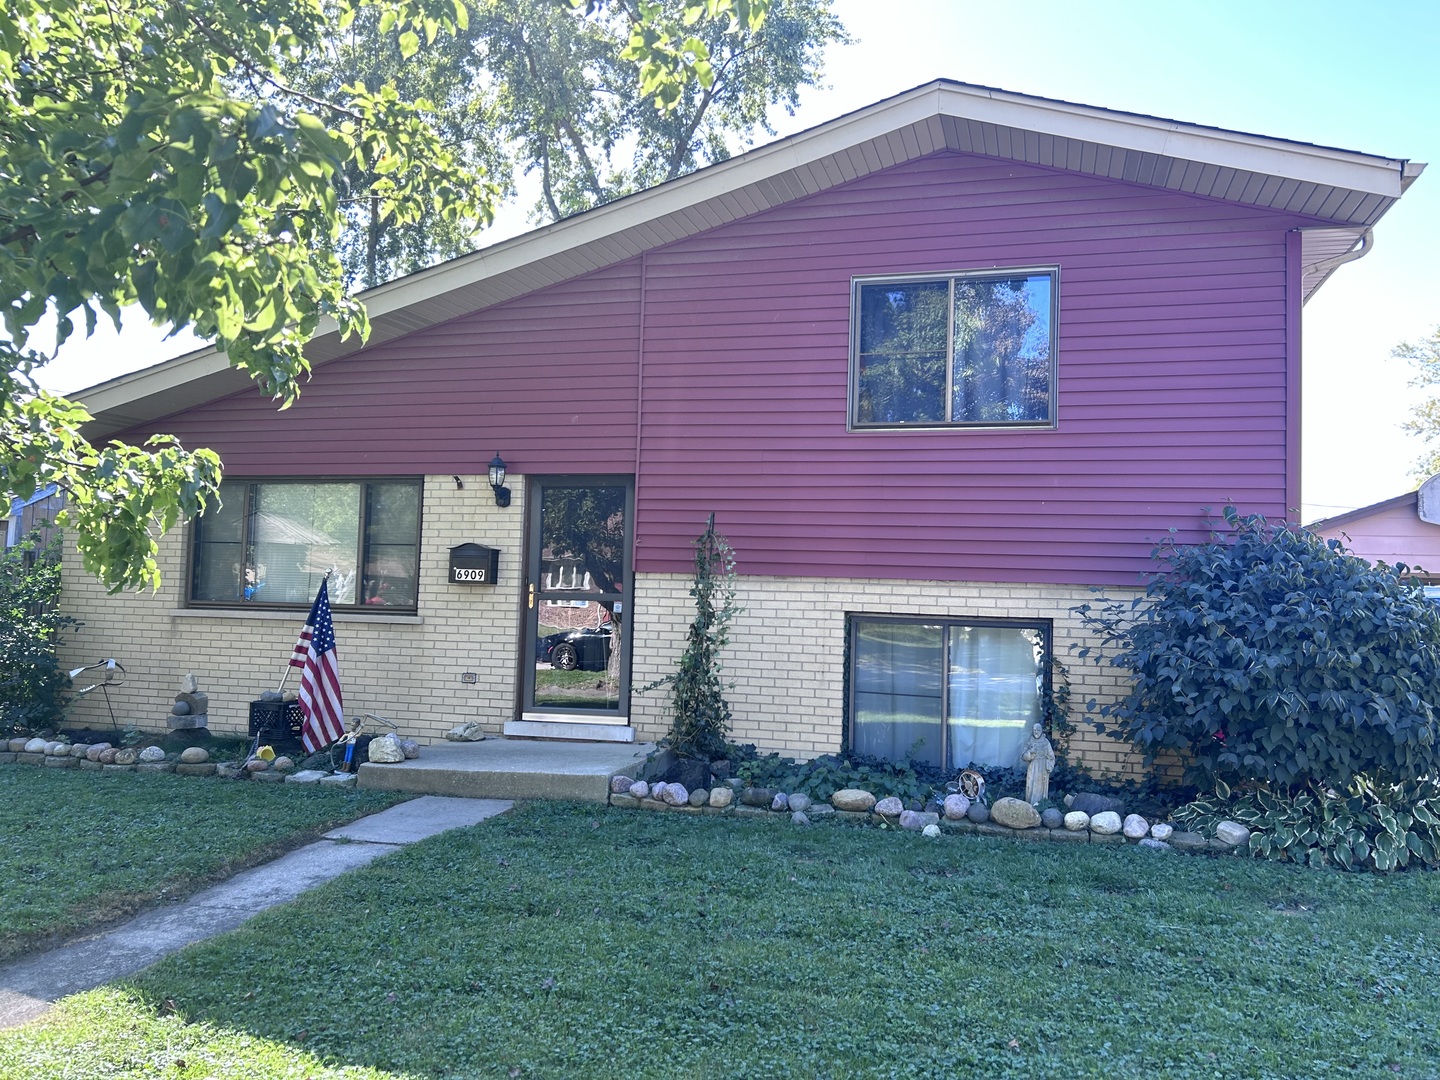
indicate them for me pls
(297, 617)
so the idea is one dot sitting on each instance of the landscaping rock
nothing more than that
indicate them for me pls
(152, 754)
(194, 755)
(386, 750)
(624, 801)
(780, 802)
(16, 745)
(1151, 844)
(932, 831)
(916, 820)
(639, 790)
(470, 731)
(690, 773)
(800, 801)
(1090, 803)
(1052, 818)
(1077, 820)
(1161, 831)
(700, 797)
(799, 818)
(79, 749)
(257, 765)
(203, 768)
(96, 749)
(86, 763)
(721, 768)
(410, 748)
(675, 795)
(284, 763)
(55, 748)
(231, 771)
(979, 813)
(118, 768)
(620, 785)
(1135, 827)
(1014, 814)
(339, 780)
(1188, 842)
(955, 807)
(108, 755)
(657, 790)
(153, 766)
(820, 810)
(889, 806)
(307, 776)
(126, 755)
(853, 800)
(180, 708)
(933, 806)
(756, 796)
(1231, 833)
(57, 762)
(34, 746)
(1106, 823)
(721, 797)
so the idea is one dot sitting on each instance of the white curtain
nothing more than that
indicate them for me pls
(899, 695)
(995, 678)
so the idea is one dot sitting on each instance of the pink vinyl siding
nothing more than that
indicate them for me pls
(1171, 397)
(1177, 319)
(548, 380)
(1390, 532)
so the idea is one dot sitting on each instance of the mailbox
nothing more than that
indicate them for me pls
(471, 564)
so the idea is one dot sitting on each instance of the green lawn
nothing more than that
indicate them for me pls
(577, 941)
(82, 848)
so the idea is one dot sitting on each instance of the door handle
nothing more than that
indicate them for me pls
(531, 603)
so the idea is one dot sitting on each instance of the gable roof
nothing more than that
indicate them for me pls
(1345, 192)
(1410, 500)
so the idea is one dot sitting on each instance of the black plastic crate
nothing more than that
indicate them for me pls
(276, 718)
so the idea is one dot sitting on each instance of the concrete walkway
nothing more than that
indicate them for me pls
(29, 986)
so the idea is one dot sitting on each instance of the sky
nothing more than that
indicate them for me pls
(1354, 76)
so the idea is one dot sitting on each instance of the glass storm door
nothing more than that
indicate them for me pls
(577, 569)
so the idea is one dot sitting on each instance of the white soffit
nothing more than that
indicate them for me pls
(1344, 192)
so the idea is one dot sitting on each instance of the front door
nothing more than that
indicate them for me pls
(578, 577)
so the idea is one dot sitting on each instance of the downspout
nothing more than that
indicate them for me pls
(1325, 267)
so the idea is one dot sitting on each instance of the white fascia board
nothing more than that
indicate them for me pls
(1211, 146)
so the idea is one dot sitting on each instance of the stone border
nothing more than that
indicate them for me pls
(62, 755)
(931, 824)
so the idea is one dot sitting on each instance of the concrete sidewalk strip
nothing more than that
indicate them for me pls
(30, 985)
(420, 819)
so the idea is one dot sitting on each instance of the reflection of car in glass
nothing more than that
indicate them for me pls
(585, 649)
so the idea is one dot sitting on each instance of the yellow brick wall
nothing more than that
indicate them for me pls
(405, 668)
(786, 656)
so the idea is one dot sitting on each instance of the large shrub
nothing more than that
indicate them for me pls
(1271, 655)
(32, 686)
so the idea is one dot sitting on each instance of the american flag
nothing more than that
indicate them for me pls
(320, 698)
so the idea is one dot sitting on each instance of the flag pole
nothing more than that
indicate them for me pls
(285, 675)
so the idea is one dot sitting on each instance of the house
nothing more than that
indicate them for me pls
(34, 515)
(1405, 529)
(938, 367)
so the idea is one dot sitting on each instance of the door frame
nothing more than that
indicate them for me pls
(533, 595)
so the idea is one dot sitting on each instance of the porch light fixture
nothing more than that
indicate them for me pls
(497, 481)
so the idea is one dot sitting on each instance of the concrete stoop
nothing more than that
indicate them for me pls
(510, 769)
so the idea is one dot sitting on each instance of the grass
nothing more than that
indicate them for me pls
(83, 849)
(577, 941)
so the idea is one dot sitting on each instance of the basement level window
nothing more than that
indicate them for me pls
(962, 349)
(946, 692)
(271, 542)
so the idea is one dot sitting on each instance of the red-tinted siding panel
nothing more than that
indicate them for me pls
(1172, 392)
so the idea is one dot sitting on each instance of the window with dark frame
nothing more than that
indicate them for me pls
(960, 349)
(946, 692)
(271, 542)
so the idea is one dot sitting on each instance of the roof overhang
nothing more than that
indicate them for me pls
(1344, 193)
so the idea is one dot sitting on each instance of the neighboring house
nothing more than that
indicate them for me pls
(1405, 529)
(35, 514)
(937, 367)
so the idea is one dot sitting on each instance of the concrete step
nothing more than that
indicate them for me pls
(510, 769)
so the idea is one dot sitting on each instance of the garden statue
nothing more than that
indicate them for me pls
(1040, 758)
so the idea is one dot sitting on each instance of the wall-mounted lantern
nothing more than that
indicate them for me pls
(497, 481)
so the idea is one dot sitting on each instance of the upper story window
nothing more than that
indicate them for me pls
(968, 348)
(272, 541)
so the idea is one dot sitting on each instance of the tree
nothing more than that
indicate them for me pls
(1270, 656)
(1425, 416)
(529, 87)
(134, 172)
